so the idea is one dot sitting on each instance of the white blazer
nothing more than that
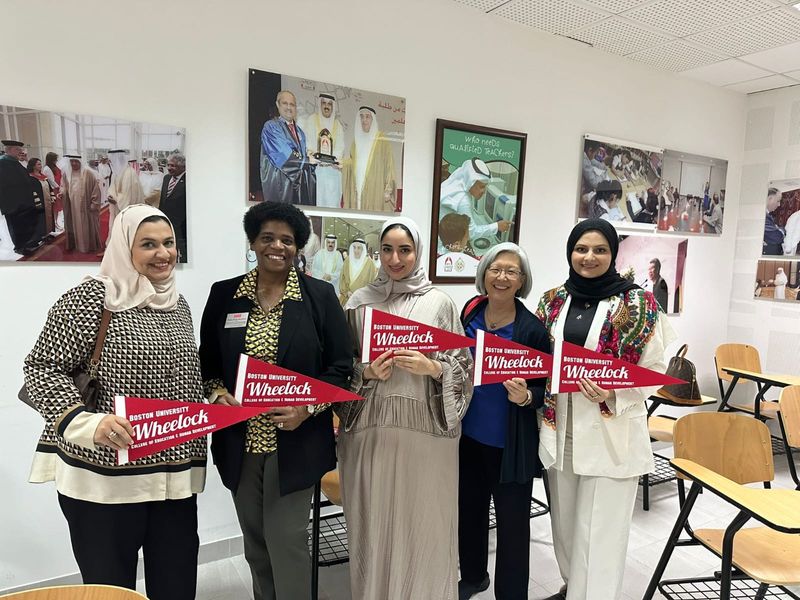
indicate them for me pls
(616, 446)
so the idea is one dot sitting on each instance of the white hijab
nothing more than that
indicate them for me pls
(125, 287)
(463, 178)
(380, 290)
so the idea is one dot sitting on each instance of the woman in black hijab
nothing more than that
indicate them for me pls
(595, 442)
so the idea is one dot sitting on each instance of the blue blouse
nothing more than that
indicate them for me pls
(486, 420)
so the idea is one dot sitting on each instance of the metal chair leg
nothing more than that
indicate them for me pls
(672, 541)
(646, 491)
(727, 554)
(315, 543)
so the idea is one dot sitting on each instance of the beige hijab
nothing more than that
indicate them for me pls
(125, 286)
(380, 290)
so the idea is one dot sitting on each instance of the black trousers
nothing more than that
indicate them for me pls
(106, 539)
(478, 481)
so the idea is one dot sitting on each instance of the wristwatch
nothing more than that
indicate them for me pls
(311, 409)
(528, 398)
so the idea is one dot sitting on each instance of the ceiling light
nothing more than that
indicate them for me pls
(796, 6)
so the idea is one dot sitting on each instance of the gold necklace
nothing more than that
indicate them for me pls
(495, 323)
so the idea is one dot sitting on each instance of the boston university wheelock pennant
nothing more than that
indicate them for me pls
(577, 362)
(384, 331)
(266, 385)
(161, 424)
(498, 359)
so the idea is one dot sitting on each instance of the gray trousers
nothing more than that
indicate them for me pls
(274, 531)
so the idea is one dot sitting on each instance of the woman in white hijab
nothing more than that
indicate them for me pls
(398, 448)
(149, 351)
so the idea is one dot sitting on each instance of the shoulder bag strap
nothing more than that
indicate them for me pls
(98, 345)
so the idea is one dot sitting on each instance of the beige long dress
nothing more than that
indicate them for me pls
(398, 460)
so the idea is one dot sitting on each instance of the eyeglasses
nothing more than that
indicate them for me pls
(512, 274)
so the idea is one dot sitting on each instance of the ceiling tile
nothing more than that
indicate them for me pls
(764, 83)
(615, 6)
(726, 72)
(554, 16)
(484, 5)
(685, 17)
(777, 60)
(767, 30)
(675, 56)
(619, 36)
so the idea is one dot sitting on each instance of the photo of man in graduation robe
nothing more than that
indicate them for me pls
(287, 172)
(358, 270)
(17, 201)
(369, 180)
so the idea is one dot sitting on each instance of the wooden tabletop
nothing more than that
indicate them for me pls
(770, 378)
(656, 397)
(778, 508)
(77, 592)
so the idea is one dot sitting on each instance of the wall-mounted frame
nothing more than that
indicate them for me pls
(478, 174)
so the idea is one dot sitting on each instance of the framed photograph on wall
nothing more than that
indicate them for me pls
(778, 280)
(324, 145)
(657, 263)
(692, 199)
(477, 196)
(343, 250)
(782, 220)
(620, 182)
(82, 169)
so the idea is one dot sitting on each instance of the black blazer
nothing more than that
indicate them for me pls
(520, 462)
(174, 206)
(314, 340)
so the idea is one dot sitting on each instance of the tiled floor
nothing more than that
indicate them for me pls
(229, 579)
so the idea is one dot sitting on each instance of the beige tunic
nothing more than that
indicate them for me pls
(398, 458)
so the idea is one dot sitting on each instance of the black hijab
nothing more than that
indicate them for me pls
(610, 283)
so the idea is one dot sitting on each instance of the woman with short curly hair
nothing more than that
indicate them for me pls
(271, 462)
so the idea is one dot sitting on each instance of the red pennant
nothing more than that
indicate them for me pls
(266, 385)
(162, 424)
(383, 331)
(498, 359)
(609, 373)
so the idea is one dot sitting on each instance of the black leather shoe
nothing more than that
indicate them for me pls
(467, 590)
(561, 595)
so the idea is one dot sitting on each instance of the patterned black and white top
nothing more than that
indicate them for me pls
(148, 354)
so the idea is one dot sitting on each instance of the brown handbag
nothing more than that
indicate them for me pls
(85, 380)
(682, 368)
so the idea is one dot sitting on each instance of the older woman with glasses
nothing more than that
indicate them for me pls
(500, 437)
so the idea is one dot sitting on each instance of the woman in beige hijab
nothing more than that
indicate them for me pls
(149, 352)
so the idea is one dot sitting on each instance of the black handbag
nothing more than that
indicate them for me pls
(681, 367)
(85, 380)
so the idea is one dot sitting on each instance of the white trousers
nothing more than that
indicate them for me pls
(591, 520)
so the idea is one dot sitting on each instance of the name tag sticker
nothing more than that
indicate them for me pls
(234, 320)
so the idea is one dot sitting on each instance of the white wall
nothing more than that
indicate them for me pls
(771, 152)
(185, 63)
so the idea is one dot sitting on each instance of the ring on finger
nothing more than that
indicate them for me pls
(112, 435)
(280, 425)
